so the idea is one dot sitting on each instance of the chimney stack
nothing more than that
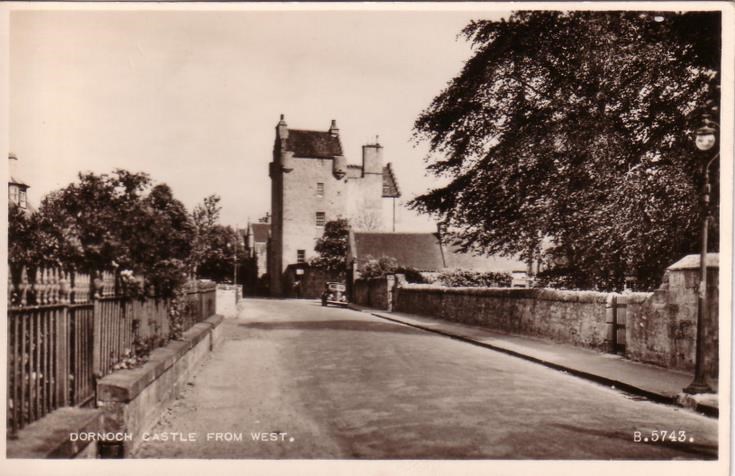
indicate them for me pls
(282, 128)
(333, 129)
(372, 159)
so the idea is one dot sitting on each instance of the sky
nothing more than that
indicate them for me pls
(192, 97)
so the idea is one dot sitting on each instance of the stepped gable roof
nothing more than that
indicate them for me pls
(313, 144)
(390, 184)
(418, 250)
(260, 232)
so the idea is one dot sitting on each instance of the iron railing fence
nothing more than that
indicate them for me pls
(65, 330)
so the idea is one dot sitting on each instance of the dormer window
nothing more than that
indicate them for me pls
(22, 202)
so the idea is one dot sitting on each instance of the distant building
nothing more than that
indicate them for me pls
(425, 252)
(311, 184)
(256, 237)
(17, 189)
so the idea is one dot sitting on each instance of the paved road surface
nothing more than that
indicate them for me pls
(335, 383)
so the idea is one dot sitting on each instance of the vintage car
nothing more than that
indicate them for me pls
(334, 293)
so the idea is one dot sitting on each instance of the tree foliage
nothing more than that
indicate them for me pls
(114, 222)
(224, 250)
(21, 231)
(576, 129)
(205, 217)
(332, 246)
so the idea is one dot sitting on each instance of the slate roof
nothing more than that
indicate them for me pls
(313, 144)
(390, 184)
(425, 252)
(260, 232)
(418, 250)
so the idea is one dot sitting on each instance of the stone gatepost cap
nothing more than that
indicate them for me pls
(692, 262)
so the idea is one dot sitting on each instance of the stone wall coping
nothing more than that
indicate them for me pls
(634, 298)
(124, 385)
(541, 294)
(692, 262)
(50, 437)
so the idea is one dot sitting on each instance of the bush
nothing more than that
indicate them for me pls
(557, 278)
(377, 268)
(474, 279)
(412, 275)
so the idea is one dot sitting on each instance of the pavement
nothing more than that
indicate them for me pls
(649, 381)
(294, 380)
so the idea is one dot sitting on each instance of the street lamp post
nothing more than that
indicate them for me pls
(234, 264)
(705, 140)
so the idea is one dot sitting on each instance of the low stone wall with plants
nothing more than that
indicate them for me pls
(572, 317)
(133, 400)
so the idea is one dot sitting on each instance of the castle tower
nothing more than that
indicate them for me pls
(311, 184)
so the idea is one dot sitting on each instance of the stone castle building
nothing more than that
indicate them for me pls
(311, 184)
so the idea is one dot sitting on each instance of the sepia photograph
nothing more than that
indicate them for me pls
(354, 238)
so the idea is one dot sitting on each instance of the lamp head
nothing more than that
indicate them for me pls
(706, 135)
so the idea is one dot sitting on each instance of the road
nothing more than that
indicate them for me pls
(295, 380)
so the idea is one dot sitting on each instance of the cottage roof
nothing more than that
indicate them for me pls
(313, 144)
(418, 250)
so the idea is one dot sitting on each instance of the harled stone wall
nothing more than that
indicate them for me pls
(571, 317)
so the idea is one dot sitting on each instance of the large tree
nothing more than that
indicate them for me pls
(574, 130)
(332, 246)
(205, 217)
(114, 222)
(224, 250)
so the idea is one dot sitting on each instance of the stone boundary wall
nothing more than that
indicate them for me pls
(661, 327)
(375, 292)
(133, 400)
(571, 317)
(50, 437)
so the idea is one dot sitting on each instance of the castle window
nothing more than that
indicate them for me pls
(300, 256)
(320, 219)
(319, 189)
